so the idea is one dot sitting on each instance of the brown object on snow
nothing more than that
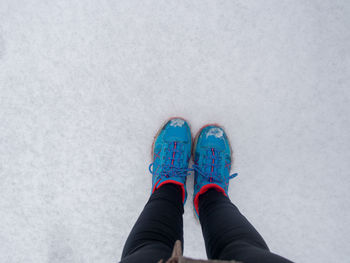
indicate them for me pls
(177, 257)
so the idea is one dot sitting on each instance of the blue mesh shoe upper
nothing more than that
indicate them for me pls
(212, 162)
(171, 154)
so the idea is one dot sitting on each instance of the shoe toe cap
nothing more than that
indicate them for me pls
(177, 130)
(213, 137)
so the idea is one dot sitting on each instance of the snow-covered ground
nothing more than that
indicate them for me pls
(84, 86)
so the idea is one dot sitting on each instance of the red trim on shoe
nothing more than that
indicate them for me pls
(204, 189)
(155, 186)
(174, 182)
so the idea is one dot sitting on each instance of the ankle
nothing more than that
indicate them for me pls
(170, 185)
(207, 190)
(210, 200)
(173, 186)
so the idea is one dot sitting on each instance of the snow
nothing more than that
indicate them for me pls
(177, 122)
(85, 85)
(217, 132)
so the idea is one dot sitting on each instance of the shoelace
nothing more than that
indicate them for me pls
(170, 168)
(213, 163)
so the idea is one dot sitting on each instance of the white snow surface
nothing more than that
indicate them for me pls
(217, 132)
(85, 85)
(177, 122)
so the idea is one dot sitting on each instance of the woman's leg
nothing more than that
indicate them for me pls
(160, 223)
(227, 233)
(157, 228)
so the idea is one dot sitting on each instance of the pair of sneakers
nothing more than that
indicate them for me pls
(172, 150)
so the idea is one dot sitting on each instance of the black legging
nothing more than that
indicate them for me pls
(227, 233)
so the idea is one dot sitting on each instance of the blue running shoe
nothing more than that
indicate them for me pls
(171, 154)
(212, 162)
